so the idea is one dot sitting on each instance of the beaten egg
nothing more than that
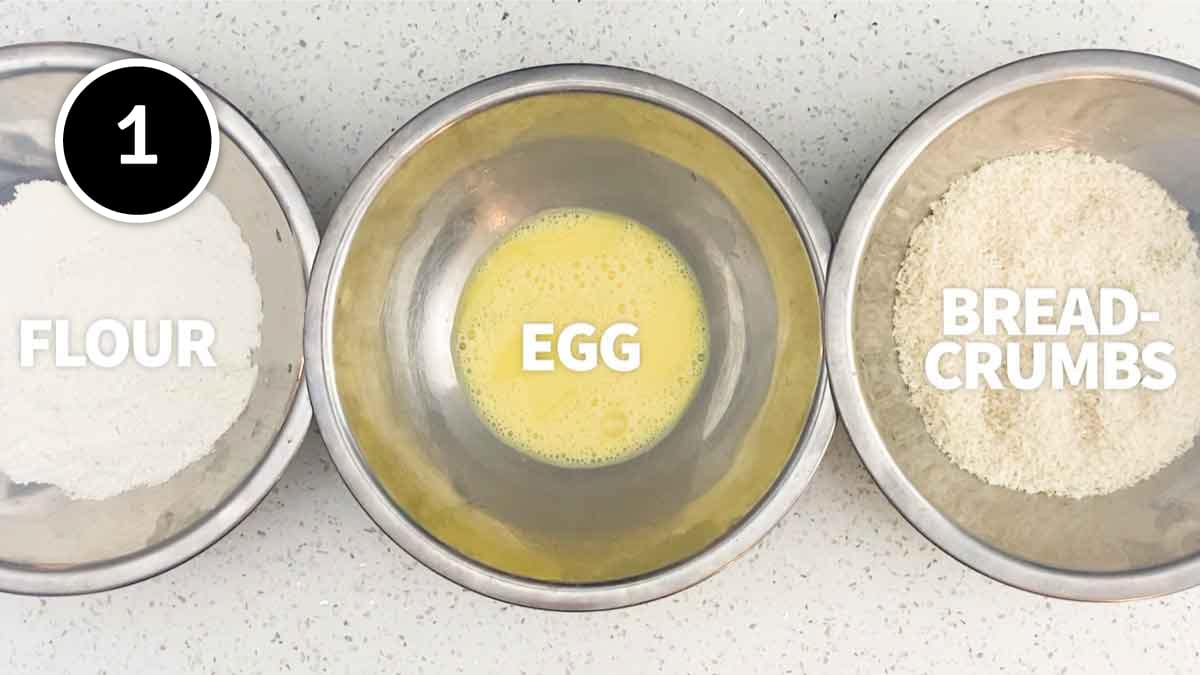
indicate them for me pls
(568, 266)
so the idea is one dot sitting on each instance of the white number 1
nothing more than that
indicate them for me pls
(137, 117)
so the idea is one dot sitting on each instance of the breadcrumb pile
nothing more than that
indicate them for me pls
(1055, 219)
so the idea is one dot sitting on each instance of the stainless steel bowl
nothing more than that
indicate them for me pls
(385, 291)
(1137, 109)
(54, 545)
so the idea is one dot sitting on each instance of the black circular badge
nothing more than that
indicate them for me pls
(137, 140)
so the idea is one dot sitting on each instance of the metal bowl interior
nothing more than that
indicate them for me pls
(1133, 108)
(399, 424)
(56, 545)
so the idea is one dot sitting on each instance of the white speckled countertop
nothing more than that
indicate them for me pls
(308, 585)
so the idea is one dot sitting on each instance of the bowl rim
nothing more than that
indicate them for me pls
(343, 449)
(839, 312)
(191, 541)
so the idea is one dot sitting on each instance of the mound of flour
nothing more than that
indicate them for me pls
(1059, 220)
(97, 432)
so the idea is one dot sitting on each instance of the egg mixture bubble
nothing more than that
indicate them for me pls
(576, 265)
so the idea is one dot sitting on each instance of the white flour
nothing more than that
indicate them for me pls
(98, 432)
